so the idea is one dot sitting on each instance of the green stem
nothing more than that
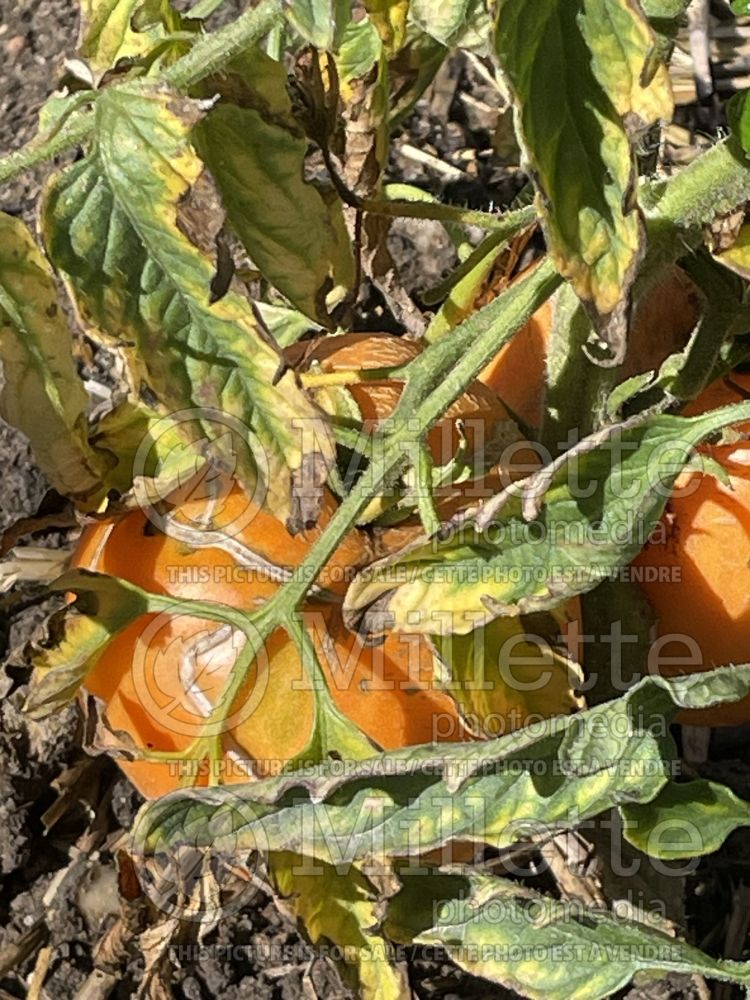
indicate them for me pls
(42, 148)
(677, 209)
(506, 223)
(206, 57)
(217, 49)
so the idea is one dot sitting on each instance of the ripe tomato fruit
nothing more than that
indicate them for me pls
(701, 593)
(160, 677)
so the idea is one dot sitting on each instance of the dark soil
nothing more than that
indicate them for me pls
(63, 814)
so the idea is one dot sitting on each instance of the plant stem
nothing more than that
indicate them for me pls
(215, 50)
(206, 57)
(41, 149)
(505, 223)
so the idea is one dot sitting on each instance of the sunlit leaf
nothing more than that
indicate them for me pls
(510, 673)
(343, 910)
(43, 395)
(444, 20)
(602, 85)
(596, 515)
(389, 18)
(685, 820)
(543, 778)
(108, 34)
(79, 634)
(117, 225)
(547, 949)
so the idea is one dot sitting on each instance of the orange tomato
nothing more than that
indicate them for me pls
(701, 589)
(160, 677)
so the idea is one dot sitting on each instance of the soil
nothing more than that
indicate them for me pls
(63, 813)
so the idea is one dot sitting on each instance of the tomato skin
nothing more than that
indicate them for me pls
(160, 676)
(702, 567)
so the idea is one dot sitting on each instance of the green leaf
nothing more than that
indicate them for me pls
(546, 777)
(108, 34)
(116, 225)
(295, 235)
(444, 20)
(600, 86)
(585, 523)
(360, 49)
(462, 297)
(320, 22)
(509, 674)
(548, 949)
(685, 820)
(78, 635)
(343, 910)
(43, 395)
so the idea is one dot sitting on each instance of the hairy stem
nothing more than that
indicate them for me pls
(206, 57)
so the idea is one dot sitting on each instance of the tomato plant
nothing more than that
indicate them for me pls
(343, 603)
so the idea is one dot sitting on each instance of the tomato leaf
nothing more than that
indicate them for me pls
(389, 18)
(43, 395)
(320, 22)
(344, 910)
(108, 34)
(115, 222)
(602, 85)
(547, 949)
(444, 20)
(546, 777)
(685, 820)
(79, 634)
(295, 235)
(510, 673)
(596, 515)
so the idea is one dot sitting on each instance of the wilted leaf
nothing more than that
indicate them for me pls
(685, 820)
(112, 224)
(143, 443)
(294, 234)
(608, 86)
(596, 515)
(510, 673)
(43, 395)
(320, 22)
(548, 949)
(79, 634)
(737, 257)
(346, 911)
(544, 778)
(107, 32)
(389, 18)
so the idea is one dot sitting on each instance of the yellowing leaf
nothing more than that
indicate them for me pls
(389, 17)
(43, 395)
(343, 910)
(295, 236)
(79, 634)
(107, 32)
(589, 520)
(115, 224)
(602, 83)
(509, 674)
(547, 949)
